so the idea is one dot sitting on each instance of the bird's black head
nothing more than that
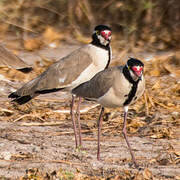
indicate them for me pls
(101, 36)
(102, 28)
(136, 66)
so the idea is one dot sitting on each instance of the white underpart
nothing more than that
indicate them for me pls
(126, 108)
(100, 59)
(133, 75)
(110, 99)
(102, 40)
(61, 80)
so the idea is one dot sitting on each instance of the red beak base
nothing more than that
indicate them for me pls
(105, 34)
(137, 70)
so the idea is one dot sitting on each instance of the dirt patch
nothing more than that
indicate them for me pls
(37, 138)
(50, 148)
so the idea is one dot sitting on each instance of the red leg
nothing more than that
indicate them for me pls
(78, 120)
(125, 136)
(99, 131)
(73, 120)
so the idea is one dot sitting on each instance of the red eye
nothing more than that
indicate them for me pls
(137, 68)
(109, 33)
(134, 68)
(103, 33)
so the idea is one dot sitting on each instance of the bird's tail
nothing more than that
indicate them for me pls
(25, 93)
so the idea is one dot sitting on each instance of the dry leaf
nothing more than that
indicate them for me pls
(161, 133)
(155, 72)
(135, 125)
(152, 161)
(139, 176)
(32, 44)
(177, 177)
(147, 174)
(50, 35)
(156, 85)
(177, 153)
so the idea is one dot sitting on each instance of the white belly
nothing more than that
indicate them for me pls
(100, 59)
(110, 100)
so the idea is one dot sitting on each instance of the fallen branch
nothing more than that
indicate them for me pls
(42, 124)
(26, 115)
(83, 131)
(6, 110)
(42, 161)
(67, 111)
(164, 106)
(146, 103)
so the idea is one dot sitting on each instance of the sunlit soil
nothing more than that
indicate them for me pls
(37, 138)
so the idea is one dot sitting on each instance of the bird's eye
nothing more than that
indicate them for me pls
(103, 33)
(137, 68)
(109, 33)
(134, 68)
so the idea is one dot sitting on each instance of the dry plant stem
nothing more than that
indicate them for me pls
(73, 120)
(99, 132)
(28, 115)
(78, 120)
(125, 136)
(146, 104)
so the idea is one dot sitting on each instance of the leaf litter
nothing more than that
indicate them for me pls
(43, 137)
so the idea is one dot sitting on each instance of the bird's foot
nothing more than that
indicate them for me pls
(135, 165)
(81, 149)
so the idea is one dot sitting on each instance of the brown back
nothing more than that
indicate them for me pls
(11, 60)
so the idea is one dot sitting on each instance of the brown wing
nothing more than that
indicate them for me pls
(11, 60)
(67, 68)
(97, 86)
(65, 71)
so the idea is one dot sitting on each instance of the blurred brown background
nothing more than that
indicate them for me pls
(40, 132)
(152, 23)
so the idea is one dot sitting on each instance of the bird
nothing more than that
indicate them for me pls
(117, 86)
(70, 71)
(8, 59)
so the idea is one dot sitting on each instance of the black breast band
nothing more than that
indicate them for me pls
(133, 88)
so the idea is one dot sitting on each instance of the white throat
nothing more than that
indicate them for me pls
(134, 77)
(102, 40)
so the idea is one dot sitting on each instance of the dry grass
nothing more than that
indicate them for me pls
(156, 115)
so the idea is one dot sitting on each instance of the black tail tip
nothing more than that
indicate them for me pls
(22, 100)
(18, 99)
(13, 95)
(25, 70)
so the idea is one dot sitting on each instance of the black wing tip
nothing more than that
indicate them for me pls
(13, 95)
(22, 100)
(18, 99)
(46, 91)
(25, 70)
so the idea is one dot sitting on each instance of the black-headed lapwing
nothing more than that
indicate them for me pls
(115, 87)
(67, 73)
(9, 59)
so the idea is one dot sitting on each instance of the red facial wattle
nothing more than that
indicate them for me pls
(106, 34)
(137, 70)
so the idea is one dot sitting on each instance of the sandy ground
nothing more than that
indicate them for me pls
(48, 148)
(29, 139)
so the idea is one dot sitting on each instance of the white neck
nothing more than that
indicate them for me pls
(126, 108)
(134, 77)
